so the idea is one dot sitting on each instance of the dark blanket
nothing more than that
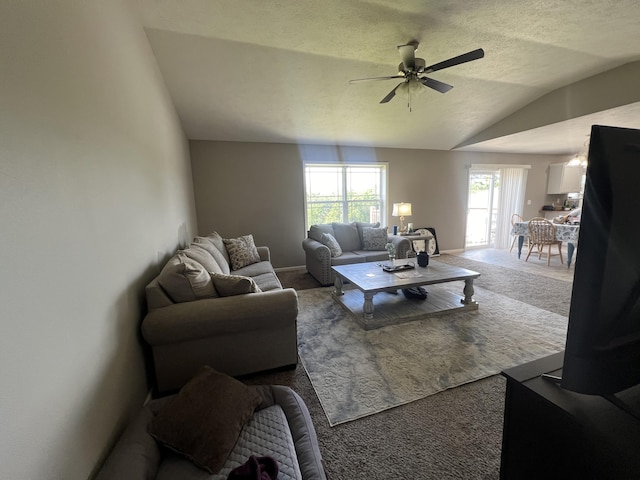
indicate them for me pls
(256, 468)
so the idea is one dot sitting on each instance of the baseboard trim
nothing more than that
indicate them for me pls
(288, 269)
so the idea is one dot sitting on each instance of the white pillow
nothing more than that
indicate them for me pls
(330, 241)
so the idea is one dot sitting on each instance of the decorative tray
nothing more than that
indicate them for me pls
(397, 268)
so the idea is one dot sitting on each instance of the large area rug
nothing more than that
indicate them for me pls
(356, 373)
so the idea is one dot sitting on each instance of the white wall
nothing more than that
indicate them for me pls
(95, 187)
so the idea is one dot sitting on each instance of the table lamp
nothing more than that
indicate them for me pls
(401, 210)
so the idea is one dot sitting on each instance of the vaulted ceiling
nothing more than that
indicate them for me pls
(279, 71)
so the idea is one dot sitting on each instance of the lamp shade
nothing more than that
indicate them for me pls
(401, 209)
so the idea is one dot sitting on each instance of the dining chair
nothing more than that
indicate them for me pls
(543, 234)
(516, 218)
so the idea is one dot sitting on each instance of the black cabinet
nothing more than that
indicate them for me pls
(553, 433)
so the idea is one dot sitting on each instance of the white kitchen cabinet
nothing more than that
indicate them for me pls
(564, 178)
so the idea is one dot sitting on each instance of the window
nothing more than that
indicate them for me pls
(344, 192)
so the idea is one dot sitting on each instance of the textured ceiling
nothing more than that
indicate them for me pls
(279, 71)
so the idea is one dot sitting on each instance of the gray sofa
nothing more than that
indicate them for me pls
(137, 456)
(359, 242)
(201, 313)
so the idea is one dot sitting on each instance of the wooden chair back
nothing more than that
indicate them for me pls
(542, 231)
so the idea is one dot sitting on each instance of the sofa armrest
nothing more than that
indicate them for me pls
(219, 316)
(301, 426)
(318, 261)
(317, 250)
(402, 244)
(136, 454)
(265, 253)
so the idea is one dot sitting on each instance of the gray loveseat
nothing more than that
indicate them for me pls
(358, 243)
(217, 304)
(137, 456)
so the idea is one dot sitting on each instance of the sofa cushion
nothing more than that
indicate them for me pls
(254, 269)
(216, 239)
(362, 225)
(348, 257)
(268, 281)
(186, 280)
(202, 256)
(374, 238)
(208, 244)
(373, 255)
(204, 420)
(229, 285)
(333, 245)
(242, 251)
(316, 231)
(347, 236)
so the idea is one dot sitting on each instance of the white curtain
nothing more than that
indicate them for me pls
(513, 181)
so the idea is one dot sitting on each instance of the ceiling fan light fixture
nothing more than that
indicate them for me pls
(581, 158)
(410, 89)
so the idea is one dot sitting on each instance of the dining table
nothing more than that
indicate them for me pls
(564, 232)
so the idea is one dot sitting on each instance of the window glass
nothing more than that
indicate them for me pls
(345, 193)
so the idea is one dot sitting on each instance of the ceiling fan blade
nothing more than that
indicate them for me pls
(357, 80)
(436, 84)
(465, 57)
(408, 54)
(390, 95)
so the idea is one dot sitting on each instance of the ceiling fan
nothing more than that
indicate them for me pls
(413, 69)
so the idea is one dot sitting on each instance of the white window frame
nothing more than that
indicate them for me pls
(383, 189)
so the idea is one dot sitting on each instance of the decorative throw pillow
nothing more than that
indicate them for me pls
(242, 251)
(330, 241)
(361, 225)
(204, 420)
(229, 285)
(186, 280)
(374, 238)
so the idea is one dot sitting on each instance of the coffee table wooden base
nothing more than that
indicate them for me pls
(394, 308)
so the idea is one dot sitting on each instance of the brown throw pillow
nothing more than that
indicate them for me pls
(229, 285)
(204, 420)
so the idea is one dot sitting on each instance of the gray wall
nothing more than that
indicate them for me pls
(95, 187)
(257, 188)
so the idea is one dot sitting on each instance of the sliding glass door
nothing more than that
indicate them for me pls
(482, 207)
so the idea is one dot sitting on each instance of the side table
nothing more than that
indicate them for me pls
(426, 237)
